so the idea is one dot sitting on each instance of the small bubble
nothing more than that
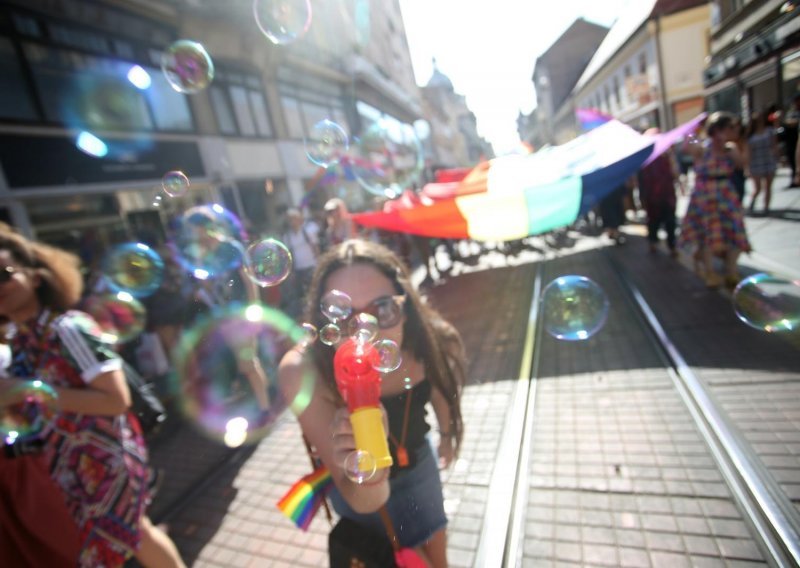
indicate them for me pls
(187, 66)
(336, 306)
(309, 333)
(363, 327)
(175, 183)
(134, 268)
(768, 303)
(574, 308)
(389, 357)
(359, 466)
(326, 143)
(268, 263)
(330, 334)
(282, 21)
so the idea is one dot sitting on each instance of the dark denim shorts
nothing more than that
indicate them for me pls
(416, 504)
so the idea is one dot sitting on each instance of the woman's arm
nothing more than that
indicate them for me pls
(446, 428)
(106, 395)
(326, 425)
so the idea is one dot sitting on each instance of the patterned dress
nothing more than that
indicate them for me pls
(714, 217)
(99, 462)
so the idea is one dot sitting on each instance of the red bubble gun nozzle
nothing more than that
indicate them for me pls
(360, 386)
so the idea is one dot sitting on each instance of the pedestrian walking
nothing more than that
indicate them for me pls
(432, 370)
(791, 122)
(302, 239)
(762, 158)
(657, 192)
(713, 224)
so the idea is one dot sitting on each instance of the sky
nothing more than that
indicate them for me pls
(488, 48)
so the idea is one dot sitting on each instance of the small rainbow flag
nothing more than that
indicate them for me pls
(305, 497)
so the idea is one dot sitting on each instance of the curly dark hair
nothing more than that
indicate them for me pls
(61, 280)
(426, 334)
(719, 120)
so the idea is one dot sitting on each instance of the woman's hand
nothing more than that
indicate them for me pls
(343, 441)
(446, 451)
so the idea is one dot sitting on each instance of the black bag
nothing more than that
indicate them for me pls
(350, 544)
(144, 402)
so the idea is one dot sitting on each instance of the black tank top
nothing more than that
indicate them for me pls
(418, 427)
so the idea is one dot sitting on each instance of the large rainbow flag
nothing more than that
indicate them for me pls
(516, 196)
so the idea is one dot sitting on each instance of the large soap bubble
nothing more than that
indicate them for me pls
(134, 268)
(187, 66)
(208, 241)
(574, 308)
(282, 21)
(326, 143)
(768, 303)
(387, 158)
(214, 391)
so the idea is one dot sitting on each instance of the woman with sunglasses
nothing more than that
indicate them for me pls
(432, 369)
(93, 444)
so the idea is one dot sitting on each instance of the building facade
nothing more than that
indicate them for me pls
(65, 69)
(754, 64)
(648, 70)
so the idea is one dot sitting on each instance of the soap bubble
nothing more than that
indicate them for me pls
(359, 466)
(187, 66)
(363, 327)
(330, 334)
(389, 356)
(327, 142)
(134, 268)
(768, 303)
(208, 241)
(37, 404)
(574, 308)
(217, 371)
(175, 183)
(310, 333)
(120, 316)
(387, 158)
(336, 306)
(282, 21)
(269, 262)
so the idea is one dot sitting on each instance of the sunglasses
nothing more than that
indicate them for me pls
(6, 274)
(388, 310)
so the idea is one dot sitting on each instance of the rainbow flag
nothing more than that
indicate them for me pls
(305, 497)
(590, 118)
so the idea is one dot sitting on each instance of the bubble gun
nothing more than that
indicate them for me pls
(360, 386)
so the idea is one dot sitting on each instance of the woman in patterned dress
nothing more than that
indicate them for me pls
(94, 447)
(713, 225)
(762, 157)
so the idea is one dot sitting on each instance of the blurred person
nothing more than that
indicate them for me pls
(302, 239)
(93, 445)
(657, 192)
(713, 224)
(432, 370)
(762, 158)
(612, 211)
(790, 131)
(339, 226)
(739, 177)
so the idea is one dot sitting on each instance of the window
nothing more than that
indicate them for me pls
(15, 100)
(239, 104)
(616, 91)
(86, 80)
(222, 110)
(643, 63)
(308, 100)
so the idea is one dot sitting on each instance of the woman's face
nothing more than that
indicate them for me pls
(17, 285)
(364, 284)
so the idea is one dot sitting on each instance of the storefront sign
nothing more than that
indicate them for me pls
(39, 161)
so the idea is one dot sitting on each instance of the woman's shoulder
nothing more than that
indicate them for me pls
(297, 375)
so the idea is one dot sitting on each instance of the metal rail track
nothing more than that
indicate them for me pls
(773, 519)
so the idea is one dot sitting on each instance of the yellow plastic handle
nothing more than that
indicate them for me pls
(371, 437)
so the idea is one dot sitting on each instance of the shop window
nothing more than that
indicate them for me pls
(239, 104)
(15, 100)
